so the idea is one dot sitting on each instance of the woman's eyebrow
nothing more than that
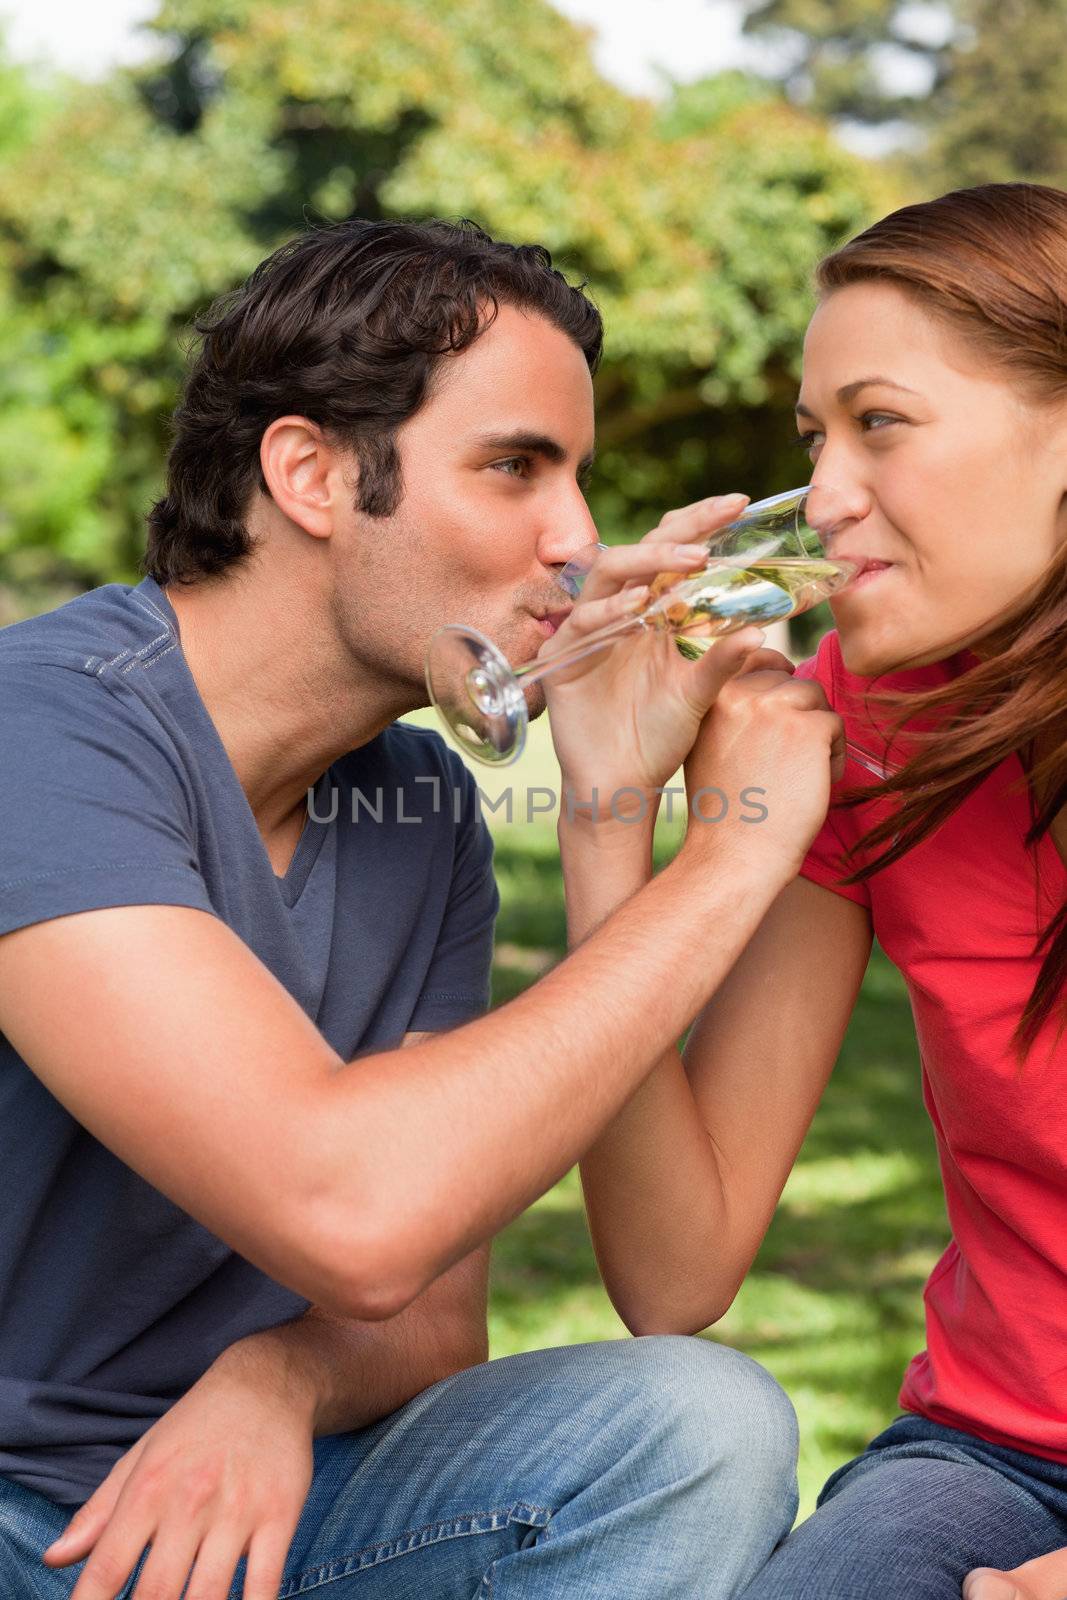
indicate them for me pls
(849, 391)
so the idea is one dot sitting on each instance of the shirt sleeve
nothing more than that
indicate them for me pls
(93, 812)
(825, 863)
(457, 985)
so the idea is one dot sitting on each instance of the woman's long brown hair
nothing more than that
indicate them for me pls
(991, 263)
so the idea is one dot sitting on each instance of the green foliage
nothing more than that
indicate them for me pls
(132, 204)
(1001, 110)
(996, 107)
(832, 52)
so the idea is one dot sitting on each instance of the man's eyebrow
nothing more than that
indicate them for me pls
(850, 390)
(533, 444)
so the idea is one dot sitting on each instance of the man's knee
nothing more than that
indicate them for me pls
(721, 1407)
(688, 1411)
(663, 1411)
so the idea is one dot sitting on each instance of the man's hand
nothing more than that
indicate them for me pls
(226, 1471)
(626, 717)
(1043, 1578)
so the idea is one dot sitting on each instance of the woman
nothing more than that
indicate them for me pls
(934, 404)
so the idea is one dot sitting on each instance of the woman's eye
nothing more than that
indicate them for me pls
(809, 442)
(874, 421)
(513, 467)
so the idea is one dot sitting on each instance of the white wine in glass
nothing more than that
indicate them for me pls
(700, 609)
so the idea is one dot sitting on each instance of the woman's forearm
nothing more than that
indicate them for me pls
(650, 1181)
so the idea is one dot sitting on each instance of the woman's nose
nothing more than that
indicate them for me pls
(838, 496)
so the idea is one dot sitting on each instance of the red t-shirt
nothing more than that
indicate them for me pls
(959, 916)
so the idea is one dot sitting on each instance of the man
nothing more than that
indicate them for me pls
(245, 1253)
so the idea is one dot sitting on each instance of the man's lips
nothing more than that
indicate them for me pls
(550, 621)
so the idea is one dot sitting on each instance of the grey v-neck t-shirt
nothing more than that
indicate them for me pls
(115, 789)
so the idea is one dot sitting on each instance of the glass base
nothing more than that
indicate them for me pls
(476, 694)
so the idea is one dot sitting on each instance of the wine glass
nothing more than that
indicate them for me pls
(768, 564)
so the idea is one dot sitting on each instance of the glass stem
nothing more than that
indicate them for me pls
(863, 758)
(534, 671)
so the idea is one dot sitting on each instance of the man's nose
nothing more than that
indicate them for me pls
(571, 530)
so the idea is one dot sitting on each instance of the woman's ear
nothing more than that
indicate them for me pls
(304, 474)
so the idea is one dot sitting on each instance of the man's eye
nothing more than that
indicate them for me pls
(513, 466)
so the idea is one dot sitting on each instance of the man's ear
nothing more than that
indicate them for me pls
(305, 474)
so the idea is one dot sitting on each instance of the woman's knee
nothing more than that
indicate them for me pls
(906, 1525)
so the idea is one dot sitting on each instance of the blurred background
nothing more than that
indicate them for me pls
(692, 159)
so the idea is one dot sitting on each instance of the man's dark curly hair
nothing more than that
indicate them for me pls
(343, 325)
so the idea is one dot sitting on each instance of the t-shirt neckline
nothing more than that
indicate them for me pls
(291, 885)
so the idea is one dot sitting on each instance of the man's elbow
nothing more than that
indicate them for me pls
(371, 1273)
(381, 1281)
(374, 1300)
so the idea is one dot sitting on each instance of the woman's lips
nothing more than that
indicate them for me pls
(871, 572)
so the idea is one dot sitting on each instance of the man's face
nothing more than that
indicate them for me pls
(492, 505)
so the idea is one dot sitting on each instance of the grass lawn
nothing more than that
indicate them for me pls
(833, 1305)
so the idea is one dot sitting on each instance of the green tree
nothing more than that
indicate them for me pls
(994, 105)
(1001, 109)
(696, 223)
(837, 56)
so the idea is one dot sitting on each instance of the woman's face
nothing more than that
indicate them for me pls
(941, 469)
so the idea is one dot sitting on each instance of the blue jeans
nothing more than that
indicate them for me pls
(914, 1513)
(661, 1468)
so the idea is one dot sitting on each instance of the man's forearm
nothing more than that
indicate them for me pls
(523, 1092)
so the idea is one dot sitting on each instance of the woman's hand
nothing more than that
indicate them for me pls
(772, 745)
(627, 716)
(1043, 1578)
(225, 1472)
(986, 1583)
